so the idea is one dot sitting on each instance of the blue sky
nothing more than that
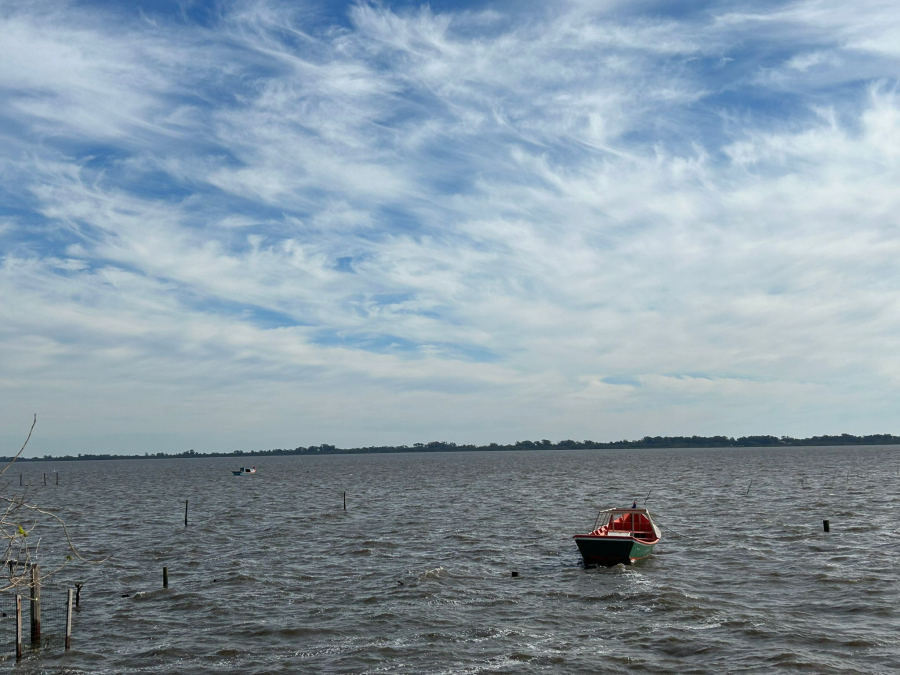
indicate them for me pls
(241, 225)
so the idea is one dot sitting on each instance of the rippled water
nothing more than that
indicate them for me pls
(273, 576)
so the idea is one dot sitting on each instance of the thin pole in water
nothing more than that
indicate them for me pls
(185, 512)
(35, 604)
(748, 488)
(345, 501)
(18, 627)
(69, 620)
(165, 577)
(826, 525)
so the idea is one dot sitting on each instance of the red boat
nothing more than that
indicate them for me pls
(619, 536)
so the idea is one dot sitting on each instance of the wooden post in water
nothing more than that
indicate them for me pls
(345, 501)
(165, 577)
(826, 525)
(20, 479)
(78, 595)
(57, 477)
(69, 620)
(45, 479)
(185, 512)
(35, 604)
(18, 627)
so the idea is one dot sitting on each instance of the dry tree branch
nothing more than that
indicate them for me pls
(61, 522)
(20, 551)
(22, 449)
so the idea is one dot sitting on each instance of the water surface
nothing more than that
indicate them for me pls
(273, 576)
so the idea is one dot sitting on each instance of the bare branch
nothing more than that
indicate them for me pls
(23, 545)
(72, 548)
(22, 449)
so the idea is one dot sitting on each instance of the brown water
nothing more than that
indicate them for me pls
(272, 576)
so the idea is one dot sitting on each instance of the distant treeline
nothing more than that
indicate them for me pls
(442, 446)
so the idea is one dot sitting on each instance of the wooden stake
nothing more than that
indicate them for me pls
(35, 604)
(345, 501)
(69, 621)
(57, 477)
(20, 479)
(165, 577)
(185, 512)
(18, 627)
(826, 525)
(748, 488)
(45, 479)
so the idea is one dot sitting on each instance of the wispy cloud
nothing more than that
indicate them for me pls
(269, 224)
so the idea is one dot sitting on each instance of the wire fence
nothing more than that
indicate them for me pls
(54, 599)
(8, 624)
(53, 614)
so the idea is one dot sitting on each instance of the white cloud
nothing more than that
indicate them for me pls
(459, 225)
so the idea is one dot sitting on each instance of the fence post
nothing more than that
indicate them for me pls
(69, 620)
(18, 627)
(35, 603)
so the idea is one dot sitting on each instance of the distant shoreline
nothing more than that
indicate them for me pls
(645, 443)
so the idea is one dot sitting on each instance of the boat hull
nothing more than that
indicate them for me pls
(609, 551)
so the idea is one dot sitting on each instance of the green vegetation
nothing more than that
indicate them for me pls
(442, 446)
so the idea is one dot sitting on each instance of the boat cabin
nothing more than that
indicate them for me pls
(625, 522)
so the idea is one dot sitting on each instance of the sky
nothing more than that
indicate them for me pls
(242, 225)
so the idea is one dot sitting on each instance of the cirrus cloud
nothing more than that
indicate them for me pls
(278, 226)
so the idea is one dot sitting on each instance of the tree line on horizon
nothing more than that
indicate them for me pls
(444, 446)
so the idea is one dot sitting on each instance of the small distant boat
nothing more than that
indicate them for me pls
(245, 472)
(619, 536)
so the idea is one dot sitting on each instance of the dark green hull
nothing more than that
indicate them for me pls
(610, 551)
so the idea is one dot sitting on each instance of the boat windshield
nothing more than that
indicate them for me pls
(602, 520)
(628, 521)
